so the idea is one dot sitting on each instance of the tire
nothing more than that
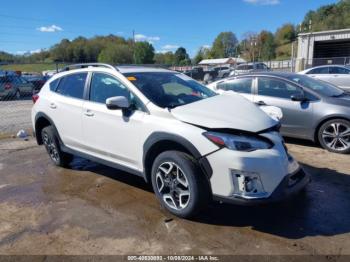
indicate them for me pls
(334, 136)
(52, 145)
(195, 195)
(17, 95)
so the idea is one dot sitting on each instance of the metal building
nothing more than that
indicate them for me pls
(325, 47)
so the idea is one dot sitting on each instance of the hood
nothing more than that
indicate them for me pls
(225, 111)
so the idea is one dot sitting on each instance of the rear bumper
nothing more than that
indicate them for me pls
(290, 186)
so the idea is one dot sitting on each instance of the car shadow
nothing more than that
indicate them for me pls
(322, 210)
(301, 142)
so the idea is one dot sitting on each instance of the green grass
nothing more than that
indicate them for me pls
(30, 67)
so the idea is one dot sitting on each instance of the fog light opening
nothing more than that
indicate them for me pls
(247, 184)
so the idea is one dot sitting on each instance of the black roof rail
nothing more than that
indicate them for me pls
(85, 65)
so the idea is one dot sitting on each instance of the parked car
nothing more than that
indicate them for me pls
(312, 109)
(335, 74)
(249, 68)
(37, 80)
(191, 144)
(196, 73)
(14, 86)
(209, 75)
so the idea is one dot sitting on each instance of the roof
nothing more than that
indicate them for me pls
(140, 69)
(347, 30)
(221, 61)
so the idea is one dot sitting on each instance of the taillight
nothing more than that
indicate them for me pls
(8, 86)
(35, 98)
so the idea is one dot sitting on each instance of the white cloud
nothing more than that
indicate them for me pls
(50, 29)
(262, 2)
(150, 39)
(170, 47)
(29, 52)
(206, 46)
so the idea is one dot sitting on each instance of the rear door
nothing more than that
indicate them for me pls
(241, 85)
(65, 108)
(297, 116)
(321, 73)
(340, 76)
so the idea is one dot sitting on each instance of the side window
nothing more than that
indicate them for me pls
(320, 70)
(72, 85)
(338, 70)
(104, 86)
(240, 85)
(277, 88)
(54, 84)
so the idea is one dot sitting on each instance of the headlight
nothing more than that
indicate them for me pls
(238, 142)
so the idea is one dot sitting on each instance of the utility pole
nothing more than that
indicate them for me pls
(133, 45)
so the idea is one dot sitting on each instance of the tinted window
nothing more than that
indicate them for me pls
(240, 85)
(54, 84)
(167, 89)
(321, 87)
(104, 86)
(277, 88)
(338, 70)
(320, 70)
(72, 85)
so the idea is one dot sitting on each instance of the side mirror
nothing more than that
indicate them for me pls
(298, 97)
(117, 102)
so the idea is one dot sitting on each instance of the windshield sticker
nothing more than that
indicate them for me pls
(131, 78)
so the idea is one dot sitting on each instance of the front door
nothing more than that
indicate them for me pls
(113, 135)
(297, 116)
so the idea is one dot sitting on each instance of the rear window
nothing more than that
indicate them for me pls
(72, 85)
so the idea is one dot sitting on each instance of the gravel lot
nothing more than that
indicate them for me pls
(93, 209)
(15, 115)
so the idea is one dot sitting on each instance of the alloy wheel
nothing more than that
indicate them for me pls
(51, 148)
(337, 136)
(173, 186)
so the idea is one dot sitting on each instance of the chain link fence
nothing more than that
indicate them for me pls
(18, 82)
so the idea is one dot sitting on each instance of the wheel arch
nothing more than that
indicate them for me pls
(41, 121)
(159, 142)
(324, 120)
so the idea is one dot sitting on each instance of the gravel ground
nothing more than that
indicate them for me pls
(15, 115)
(93, 209)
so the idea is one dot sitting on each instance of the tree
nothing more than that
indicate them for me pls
(144, 53)
(249, 46)
(203, 53)
(266, 45)
(224, 45)
(167, 58)
(285, 34)
(116, 54)
(181, 57)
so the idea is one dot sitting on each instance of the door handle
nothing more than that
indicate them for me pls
(261, 103)
(53, 105)
(89, 113)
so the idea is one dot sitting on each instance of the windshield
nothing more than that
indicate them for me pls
(318, 86)
(169, 90)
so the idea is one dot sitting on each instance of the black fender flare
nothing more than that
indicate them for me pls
(36, 133)
(156, 137)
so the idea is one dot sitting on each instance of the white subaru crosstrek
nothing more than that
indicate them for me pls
(191, 144)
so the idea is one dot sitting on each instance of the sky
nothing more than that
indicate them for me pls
(28, 25)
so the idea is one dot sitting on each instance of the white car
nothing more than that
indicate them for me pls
(335, 74)
(191, 144)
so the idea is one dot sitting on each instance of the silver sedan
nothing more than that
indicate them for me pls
(335, 74)
(312, 109)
